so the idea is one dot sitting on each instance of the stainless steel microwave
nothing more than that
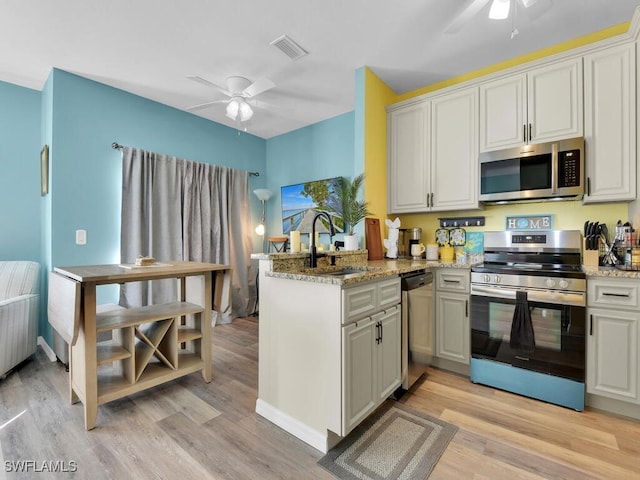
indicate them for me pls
(546, 171)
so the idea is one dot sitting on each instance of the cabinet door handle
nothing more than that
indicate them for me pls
(450, 281)
(378, 333)
(621, 295)
(466, 308)
(432, 200)
(590, 324)
(588, 186)
(524, 133)
(529, 132)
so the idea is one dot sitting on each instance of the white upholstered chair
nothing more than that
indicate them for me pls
(19, 305)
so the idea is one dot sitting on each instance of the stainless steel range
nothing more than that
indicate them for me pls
(528, 316)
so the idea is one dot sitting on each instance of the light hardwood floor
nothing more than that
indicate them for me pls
(189, 429)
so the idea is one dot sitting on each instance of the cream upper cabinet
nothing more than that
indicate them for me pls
(610, 124)
(454, 151)
(433, 154)
(408, 173)
(541, 105)
(502, 112)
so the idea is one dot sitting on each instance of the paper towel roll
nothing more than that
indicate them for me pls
(295, 241)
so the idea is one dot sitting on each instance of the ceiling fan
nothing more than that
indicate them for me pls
(240, 91)
(499, 10)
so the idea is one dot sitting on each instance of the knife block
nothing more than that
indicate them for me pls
(590, 258)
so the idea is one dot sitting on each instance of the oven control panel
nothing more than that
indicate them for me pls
(528, 281)
(520, 239)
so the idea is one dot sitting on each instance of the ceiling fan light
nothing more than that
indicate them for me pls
(246, 112)
(233, 107)
(499, 9)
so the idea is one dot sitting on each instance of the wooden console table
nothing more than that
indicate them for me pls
(150, 345)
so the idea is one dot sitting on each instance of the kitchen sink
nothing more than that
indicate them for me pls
(343, 271)
(339, 271)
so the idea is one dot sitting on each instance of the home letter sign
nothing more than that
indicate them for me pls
(530, 222)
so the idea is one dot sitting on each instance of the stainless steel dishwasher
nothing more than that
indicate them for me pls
(417, 325)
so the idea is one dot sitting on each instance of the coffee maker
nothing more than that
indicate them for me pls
(415, 235)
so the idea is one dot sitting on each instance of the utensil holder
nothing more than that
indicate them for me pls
(590, 258)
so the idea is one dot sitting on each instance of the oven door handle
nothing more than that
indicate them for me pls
(577, 299)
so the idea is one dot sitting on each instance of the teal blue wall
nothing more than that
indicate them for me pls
(19, 173)
(322, 150)
(86, 172)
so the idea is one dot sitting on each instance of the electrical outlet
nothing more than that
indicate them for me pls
(81, 237)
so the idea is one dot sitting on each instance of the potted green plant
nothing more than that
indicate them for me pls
(349, 208)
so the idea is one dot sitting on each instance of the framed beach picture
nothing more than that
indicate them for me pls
(301, 202)
(44, 170)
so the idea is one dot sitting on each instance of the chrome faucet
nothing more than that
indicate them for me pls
(313, 253)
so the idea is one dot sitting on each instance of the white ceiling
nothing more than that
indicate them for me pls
(149, 47)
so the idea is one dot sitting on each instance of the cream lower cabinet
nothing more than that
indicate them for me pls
(452, 315)
(610, 124)
(371, 365)
(613, 336)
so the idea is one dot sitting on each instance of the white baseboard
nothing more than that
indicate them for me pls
(47, 349)
(611, 405)
(308, 435)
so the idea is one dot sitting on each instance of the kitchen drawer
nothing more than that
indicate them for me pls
(453, 280)
(389, 292)
(359, 302)
(618, 293)
(364, 300)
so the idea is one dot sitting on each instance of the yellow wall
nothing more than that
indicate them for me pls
(377, 96)
(566, 215)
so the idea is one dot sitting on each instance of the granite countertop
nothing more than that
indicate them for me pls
(611, 272)
(373, 270)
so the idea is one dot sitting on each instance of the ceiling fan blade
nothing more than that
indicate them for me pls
(261, 85)
(470, 11)
(204, 105)
(500, 9)
(207, 83)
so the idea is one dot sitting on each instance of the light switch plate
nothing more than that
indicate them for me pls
(81, 237)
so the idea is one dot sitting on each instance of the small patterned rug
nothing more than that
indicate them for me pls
(395, 442)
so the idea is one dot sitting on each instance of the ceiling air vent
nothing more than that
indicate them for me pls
(289, 47)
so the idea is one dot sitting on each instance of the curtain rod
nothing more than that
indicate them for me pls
(117, 146)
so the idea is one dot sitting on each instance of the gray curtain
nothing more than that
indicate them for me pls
(176, 209)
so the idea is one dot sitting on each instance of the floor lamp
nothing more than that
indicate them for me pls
(263, 195)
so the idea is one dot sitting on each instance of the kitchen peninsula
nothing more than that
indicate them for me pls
(317, 328)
